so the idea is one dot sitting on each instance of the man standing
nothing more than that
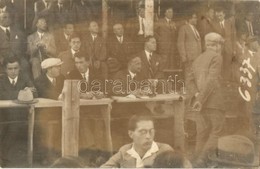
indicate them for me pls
(189, 43)
(68, 56)
(49, 85)
(205, 87)
(95, 47)
(10, 84)
(41, 45)
(226, 28)
(166, 34)
(119, 48)
(142, 152)
(247, 24)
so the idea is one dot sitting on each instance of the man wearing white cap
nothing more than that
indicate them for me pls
(49, 85)
(207, 97)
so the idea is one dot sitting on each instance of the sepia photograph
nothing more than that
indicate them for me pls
(130, 84)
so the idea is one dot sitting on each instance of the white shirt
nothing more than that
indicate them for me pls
(40, 34)
(73, 52)
(3, 9)
(50, 78)
(11, 80)
(139, 161)
(4, 28)
(251, 52)
(66, 36)
(86, 75)
(120, 39)
(94, 37)
(167, 20)
(132, 74)
(148, 55)
(222, 23)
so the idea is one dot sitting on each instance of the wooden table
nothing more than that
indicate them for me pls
(178, 114)
(44, 103)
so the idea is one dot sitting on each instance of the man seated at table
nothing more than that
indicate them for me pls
(90, 130)
(10, 84)
(50, 85)
(142, 152)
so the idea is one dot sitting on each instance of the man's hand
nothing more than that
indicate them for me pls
(197, 106)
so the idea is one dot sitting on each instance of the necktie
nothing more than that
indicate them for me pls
(7, 32)
(54, 81)
(13, 82)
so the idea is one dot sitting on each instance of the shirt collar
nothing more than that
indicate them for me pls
(139, 161)
(132, 74)
(73, 52)
(167, 19)
(251, 52)
(93, 36)
(50, 78)
(40, 33)
(86, 74)
(11, 80)
(148, 54)
(4, 28)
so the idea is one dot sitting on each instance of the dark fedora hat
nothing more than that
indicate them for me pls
(235, 150)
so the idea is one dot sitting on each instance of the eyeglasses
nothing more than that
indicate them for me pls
(144, 132)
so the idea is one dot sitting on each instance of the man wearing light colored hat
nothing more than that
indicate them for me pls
(50, 85)
(207, 96)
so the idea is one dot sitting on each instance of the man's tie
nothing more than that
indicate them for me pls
(7, 32)
(150, 65)
(54, 81)
(13, 82)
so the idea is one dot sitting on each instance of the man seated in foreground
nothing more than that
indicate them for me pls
(142, 152)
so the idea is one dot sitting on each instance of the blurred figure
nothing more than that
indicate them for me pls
(119, 48)
(142, 152)
(62, 37)
(61, 13)
(95, 47)
(226, 28)
(166, 34)
(41, 45)
(248, 24)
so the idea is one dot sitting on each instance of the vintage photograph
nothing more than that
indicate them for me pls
(129, 83)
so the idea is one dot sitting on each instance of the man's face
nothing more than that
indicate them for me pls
(118, 30)
(42, 25)
(69, 29)
(143, 135)
(54, 71)
(151, 45)
(12, 70)
(193, 19)
(75, 44)
(5, 19)
(136, 65)
(93, 27)
(81, 64)
(169, 13)
(220, 16)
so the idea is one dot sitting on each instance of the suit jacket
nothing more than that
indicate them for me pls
(229, 34)
(16, 44)
(68, 62)
(62, 44)
(10, 92)
(205, 26)
(205, 78)
(189, 46)
(156, 66)
(241, 26)
(47, 39)
(46, 89)
(119, 51)
(96, 50)
(122, 159)
(81, 13)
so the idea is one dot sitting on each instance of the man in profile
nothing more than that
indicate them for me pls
(142, 152)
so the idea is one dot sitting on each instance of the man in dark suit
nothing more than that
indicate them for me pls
(166, 34)
(226, 28)
(49, 85)
(62, 37)
(247, 25)
(91, 131)
(95, 47)
(189, 42)
(208, 99)
(68, 56)
(41, 45)
(12, 40)
(10, 84)
(135, 28)
(151, 62)
(119, 48)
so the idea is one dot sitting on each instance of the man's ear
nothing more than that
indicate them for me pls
(130, 133)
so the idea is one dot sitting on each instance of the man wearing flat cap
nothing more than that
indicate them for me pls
(50, 85)
(204, 85)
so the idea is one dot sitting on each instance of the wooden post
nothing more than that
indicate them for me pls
(149, 16)
(70, 118)
(104, 18)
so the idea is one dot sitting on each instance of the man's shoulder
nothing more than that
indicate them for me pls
(64, 54)
(125, 148)
(163, 146)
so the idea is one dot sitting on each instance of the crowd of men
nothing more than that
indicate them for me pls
(66, 43)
